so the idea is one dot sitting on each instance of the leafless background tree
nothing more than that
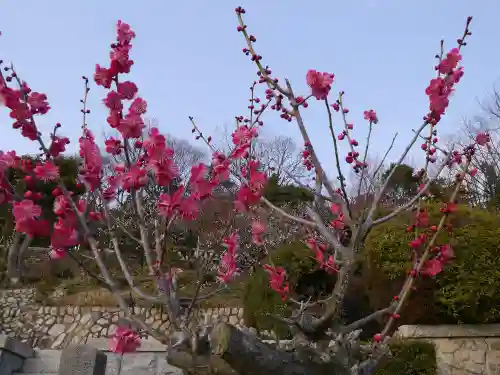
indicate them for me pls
(281, 156)
(484, 188)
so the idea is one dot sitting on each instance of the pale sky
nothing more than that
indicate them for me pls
(189, 60)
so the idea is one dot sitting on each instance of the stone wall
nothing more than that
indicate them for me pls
(461, 349)
(17, 358)
(54, 327)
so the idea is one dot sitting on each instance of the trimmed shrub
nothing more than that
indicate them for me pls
(466, 292)
(285, 194)
(409, 358)
(260, 301)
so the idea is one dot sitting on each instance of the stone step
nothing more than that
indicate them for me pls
(45, 362)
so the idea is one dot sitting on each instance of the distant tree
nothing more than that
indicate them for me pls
(282, 158)
(403, 183)
(280, 194)
(484, 188)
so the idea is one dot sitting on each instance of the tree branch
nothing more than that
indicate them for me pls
(250, 356)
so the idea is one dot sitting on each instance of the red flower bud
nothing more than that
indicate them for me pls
(56, 192)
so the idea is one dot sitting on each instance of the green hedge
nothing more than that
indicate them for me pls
(466, 292)
(285, 194)
(409, 358)
(260, 301)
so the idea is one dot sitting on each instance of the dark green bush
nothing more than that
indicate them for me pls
(260, 301)
(285, 194)
(466, 292)
(409, 358)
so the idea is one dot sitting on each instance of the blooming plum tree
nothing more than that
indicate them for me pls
(321, 344)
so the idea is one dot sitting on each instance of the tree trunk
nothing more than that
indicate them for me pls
(21, 254)
(12, 271)
(247, 355)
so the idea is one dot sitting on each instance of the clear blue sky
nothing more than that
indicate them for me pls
(189, 61)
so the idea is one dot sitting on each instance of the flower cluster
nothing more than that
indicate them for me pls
(277, 280)
(320, 83)
(124, 340)
(227, 265)
(353, 155)
(440, 88)
(307, 156)
(325, 262)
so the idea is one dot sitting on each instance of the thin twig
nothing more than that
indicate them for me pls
(422, 191)
(369, 220)
(337, 158)
(385, 156)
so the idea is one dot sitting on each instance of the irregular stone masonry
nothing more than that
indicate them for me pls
(54, 327)
(461, 349)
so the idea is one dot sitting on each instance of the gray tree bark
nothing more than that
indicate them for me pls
(12, 271)
(247, 355)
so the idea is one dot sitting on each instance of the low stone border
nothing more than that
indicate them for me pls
(461, 349)
(56, 327)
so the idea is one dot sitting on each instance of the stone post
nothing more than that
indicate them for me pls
(12, 354)
(82, 360)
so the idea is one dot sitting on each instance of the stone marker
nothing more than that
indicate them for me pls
(82, 360)
(12, 354)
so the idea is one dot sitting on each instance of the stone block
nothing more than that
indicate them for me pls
(9, 363)
(147, 364)
(455, 331)
(17, 347)
(114, 363)
(13, 354)
(82, 360)
(44, 362)
(148, 344)
(138, 364)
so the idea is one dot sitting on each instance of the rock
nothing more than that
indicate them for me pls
(147, 364)
(72, 327)
(58, 341)
(56, 329)
(82, 360)
(102, 321)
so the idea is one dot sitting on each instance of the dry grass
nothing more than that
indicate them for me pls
(85, 293)
(98, 297)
